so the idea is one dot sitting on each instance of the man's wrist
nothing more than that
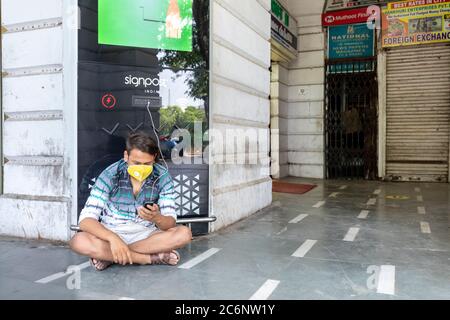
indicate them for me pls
(158, 219)
(111, 236)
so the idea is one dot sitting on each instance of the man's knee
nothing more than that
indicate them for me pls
(182, 236)
(81, 243)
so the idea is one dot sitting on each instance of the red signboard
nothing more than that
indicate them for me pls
(345, 17)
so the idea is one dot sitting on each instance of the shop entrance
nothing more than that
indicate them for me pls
(351, 119)
(418, 113)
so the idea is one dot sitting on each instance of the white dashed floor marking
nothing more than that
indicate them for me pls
(60, 275)
(319, 204)
(363, 214)
(200, 258)
(425, 227)
(298, 218)
(264, 292)
(304, 248)
(351, 234)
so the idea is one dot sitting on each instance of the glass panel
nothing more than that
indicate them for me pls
(137, 56)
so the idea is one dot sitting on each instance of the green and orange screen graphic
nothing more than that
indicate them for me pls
(156, 24)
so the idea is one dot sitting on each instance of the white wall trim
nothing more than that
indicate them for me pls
(240, 186)
(263, 4)
(32, 71)
(34, 198)
(32, 25)
(244, 20)
(238, 86)
(302, 133)
(34, 115)
(33, 161)
(304, 100)
(285, 117)
(218, 118)
(227, 44)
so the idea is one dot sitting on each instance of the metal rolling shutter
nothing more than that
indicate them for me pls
(417, 113)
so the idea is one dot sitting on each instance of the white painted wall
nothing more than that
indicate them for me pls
(305, 112)
(39, 102)
(240, 84)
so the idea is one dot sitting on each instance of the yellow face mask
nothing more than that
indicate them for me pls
(140, 172)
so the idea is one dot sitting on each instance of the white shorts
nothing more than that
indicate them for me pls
(132, 232)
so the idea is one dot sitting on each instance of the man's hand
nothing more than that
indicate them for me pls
(154, 215)
(151, 215)
(120, 251)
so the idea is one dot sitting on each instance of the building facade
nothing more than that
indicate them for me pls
(42, 51)
(387, 108)
(381, 113)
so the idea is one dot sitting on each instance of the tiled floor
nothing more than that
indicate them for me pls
(387, 255)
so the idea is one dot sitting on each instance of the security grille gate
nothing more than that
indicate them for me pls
(417, 113)
(351, 119)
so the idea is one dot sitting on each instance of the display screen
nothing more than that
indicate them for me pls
(154, 24)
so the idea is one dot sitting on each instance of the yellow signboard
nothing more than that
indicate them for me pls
(416, 22)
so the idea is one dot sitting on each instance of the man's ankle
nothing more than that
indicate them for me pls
(143, 259)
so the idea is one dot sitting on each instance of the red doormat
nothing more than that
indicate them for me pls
(287, 187)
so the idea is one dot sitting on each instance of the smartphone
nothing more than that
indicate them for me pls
(148, 205)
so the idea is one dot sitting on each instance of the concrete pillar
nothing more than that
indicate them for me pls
(39, 100)
(240, 81)
(279, 120)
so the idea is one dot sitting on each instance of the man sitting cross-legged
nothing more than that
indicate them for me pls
(116, 227)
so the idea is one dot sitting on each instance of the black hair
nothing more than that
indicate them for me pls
(142, 142)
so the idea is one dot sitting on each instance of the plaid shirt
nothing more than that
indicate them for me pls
(112, 201)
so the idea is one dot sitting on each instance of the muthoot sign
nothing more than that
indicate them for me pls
(145, 82)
